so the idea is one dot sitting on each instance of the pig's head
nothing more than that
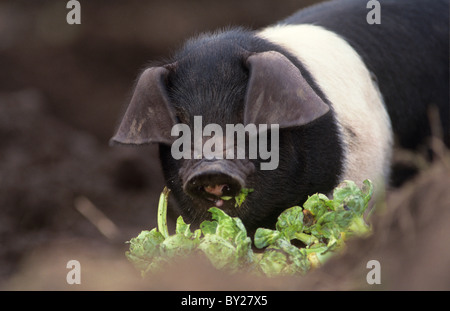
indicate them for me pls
(228, 82)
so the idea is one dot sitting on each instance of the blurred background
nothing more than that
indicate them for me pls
(64, 193)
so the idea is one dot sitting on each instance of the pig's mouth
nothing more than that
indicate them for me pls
(213, 187)
(215, 183)
(219, 195)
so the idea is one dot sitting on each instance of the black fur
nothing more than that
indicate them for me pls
(408, 53)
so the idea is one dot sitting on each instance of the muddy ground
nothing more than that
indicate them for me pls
(62, 89)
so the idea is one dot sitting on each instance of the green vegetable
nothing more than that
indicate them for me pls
(240, 198)
(162, 213)
(322, 226)
(225, 241)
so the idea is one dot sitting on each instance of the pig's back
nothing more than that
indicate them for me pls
(340, 73)
(407, 53)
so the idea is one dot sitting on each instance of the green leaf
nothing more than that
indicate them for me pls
(143, 248)
(307, 239)
(244, 251)
(296, 256)
(283, 258)
(345, 190)
(146, 244)
(241, 233)
(265, 237)
(220, 251)
(178, 246)
(367, 191)
(226, 227)
(273, 261)
(225, 243)
(290, 222)
(351, 197)
(240, 198)
(317, 204)
(208, 227)
(218, 215)
(183, 228)
(162, 212)
(358, 227)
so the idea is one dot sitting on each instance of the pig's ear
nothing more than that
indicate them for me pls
(277, 93)
(149, 117)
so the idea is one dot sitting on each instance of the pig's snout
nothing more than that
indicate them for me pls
(213, 185)
(212, 180)
(217, 190)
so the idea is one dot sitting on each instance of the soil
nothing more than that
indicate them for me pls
(66, 194)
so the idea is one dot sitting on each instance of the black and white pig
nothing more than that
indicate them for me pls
(341, 90)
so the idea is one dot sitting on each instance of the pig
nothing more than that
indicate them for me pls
(340, 91)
